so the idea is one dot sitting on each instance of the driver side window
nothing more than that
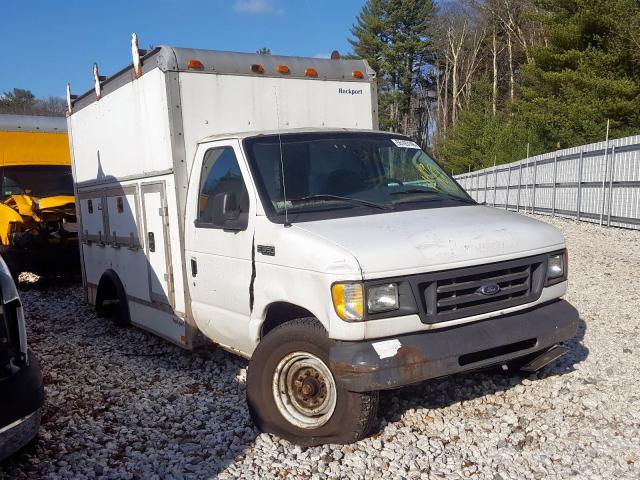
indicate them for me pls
(221, 188)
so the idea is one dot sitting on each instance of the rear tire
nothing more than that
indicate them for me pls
(111, 300)
(291, 391)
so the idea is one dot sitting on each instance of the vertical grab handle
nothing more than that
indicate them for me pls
(194, 267)
(152, 242)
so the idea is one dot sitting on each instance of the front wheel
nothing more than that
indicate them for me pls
(292, 393)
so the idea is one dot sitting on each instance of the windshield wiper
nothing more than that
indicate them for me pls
(414, 191)
(338, 197)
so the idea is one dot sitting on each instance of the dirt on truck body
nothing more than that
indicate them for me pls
(38, 229)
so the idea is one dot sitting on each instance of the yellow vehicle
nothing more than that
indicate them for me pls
(38, 229)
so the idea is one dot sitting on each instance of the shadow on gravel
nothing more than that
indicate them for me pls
(123, 403)
(441, 393)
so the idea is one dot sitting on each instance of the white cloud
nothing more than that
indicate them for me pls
(254, 6)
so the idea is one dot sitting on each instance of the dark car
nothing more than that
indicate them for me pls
(21, 387)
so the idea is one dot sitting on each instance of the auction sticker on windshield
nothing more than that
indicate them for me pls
(405, 143)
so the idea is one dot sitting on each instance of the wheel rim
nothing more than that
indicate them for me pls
(304, 390)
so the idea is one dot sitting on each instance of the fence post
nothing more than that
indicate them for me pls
(486, 181)
(555, 179)
(526, 184)
(535, 176)
(506, 200)
(611, 173)
(519, 185)
(604, 175)
(579, 197)
(604, 183)
(495, 182)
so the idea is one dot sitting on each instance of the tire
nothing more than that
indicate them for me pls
(291, 348)
(111, 300)
(118, 312)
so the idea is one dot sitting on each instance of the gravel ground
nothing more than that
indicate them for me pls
(123, 404)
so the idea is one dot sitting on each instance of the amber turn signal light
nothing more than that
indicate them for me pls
(311, 72)
(282, 69)
(257, 68)
(357, 74)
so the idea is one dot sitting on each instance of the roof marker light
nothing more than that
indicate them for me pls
(311, 72)
(195, 64)
(282, 69)
(357, 74)
(257, 68)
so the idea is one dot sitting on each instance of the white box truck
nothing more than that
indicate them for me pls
(248, 199)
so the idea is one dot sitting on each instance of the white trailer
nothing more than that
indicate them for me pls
(248, 199)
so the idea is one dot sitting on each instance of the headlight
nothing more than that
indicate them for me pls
(382, 298)
(556, 268)
(348, 300)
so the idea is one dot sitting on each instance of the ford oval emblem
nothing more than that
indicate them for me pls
(490, 289)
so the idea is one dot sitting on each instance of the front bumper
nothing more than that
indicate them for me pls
(21, 400)
(390, 363)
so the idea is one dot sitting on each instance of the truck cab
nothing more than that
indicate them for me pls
(339, 259)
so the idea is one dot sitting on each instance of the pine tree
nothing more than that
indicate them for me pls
(587, 72)
(393, 36)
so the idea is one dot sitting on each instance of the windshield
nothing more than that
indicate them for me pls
(36, 180)
(365, 172)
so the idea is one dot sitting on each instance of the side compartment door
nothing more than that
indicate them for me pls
(219, 241)
(157, 243)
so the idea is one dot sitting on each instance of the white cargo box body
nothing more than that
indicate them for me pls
(133, 142)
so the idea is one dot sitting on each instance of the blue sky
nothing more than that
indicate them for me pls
(51, 42)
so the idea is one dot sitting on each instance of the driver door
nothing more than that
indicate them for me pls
(219, 230)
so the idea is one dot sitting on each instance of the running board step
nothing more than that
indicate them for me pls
(545, 359)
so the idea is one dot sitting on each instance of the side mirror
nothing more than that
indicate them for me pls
(227, 214)
(225, 208)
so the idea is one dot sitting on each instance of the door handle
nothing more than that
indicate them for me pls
(194, 267)
(152, 242)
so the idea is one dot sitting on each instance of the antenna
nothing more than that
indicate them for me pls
(284, 186)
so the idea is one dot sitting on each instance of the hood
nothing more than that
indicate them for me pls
(52, 203)
(418, 241)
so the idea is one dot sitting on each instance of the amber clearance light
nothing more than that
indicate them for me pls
(195, 64)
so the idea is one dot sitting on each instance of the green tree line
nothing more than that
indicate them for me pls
(477, 81)
(23, 102)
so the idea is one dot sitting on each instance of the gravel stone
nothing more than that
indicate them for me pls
(122, 403)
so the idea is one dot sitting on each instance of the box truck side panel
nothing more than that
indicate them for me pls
(154, 207)
(125, 133)
(218, 104)
(136, 248)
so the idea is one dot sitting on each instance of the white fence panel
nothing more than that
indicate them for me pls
(597, 183)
